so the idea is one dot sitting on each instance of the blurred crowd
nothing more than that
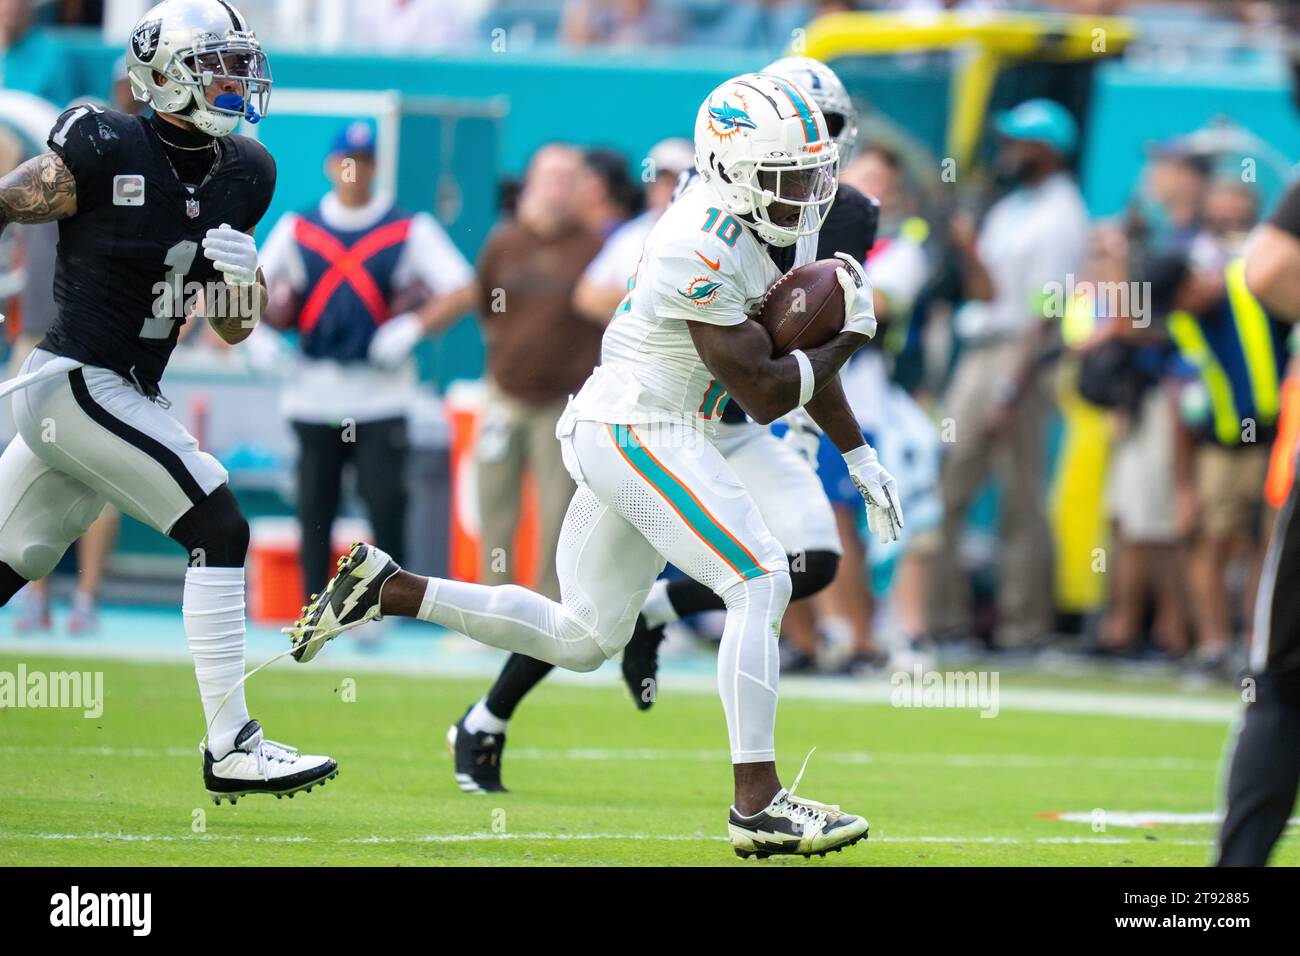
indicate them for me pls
(1096, 467)
(761, 26)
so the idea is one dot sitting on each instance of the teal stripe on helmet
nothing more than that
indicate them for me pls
(801, 107)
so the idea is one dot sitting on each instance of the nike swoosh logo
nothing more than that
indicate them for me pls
(709, 262)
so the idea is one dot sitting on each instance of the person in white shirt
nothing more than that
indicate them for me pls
(1030, 244)
(605, 282)
(338, 275)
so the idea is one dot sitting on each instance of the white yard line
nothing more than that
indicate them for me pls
(638, 754)
(1147, 818)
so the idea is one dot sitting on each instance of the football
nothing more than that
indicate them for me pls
(804, 308)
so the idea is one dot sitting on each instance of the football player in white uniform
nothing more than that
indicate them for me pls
(779, 473)
(652, 485)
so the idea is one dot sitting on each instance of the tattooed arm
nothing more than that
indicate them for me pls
(235, 310)
(40, 190)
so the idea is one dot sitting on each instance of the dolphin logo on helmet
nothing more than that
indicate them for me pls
(731, 117)
(777, 168)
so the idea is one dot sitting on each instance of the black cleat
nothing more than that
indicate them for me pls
(349, 600)
(794, 826)
(641, 663)
(477, 758)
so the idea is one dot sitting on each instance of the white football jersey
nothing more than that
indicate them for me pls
(700, 264)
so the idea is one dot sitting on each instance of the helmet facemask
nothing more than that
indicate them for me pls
(236, 59)
(790, 198)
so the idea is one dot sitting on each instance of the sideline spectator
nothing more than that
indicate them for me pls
(998, 399)
(539, 352)
(1125, 363)
(339, 275)
(605, 282)
(1165, 209)
(1235, 356)
(606, 195)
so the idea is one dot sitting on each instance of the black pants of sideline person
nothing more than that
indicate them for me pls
(1264, 766)
(377, 450)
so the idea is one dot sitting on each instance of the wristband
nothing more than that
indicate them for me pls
(806, 379)
(862, 455)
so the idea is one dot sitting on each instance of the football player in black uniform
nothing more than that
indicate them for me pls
(156, 216)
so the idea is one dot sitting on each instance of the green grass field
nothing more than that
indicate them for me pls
(593, 781)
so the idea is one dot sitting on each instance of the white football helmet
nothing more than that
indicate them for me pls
(831, 96)
(193, 44)
(762, 145)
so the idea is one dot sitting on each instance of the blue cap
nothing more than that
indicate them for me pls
(355, 139)
(1041, 121)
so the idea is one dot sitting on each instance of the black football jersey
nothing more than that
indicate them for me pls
(850, 226)
(138, 231)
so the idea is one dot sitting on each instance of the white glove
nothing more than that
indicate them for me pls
(859, 304)
(233, 254)
(803, 436)
(392, 344)
(879, 490)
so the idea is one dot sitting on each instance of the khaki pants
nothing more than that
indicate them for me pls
(1230, 487)
(1017, 460)
(515, 438)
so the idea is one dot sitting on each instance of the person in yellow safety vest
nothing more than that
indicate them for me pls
(1113, 491)
(1234, 355)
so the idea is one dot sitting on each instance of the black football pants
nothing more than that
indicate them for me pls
(1264, 763)
(377, 450)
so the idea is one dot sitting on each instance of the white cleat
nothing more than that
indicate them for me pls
(791, 825)
(258, 765)
(349, 600)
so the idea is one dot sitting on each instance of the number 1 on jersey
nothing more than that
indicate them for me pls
(169, 305)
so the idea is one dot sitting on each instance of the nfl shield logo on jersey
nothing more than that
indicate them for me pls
(192, 208)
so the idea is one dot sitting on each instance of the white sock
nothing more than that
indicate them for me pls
(658, 610)
(480, 720)
(749, 666)
(213, 611)
(513, 619)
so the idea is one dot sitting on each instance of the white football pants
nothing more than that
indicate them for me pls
(646, 494)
